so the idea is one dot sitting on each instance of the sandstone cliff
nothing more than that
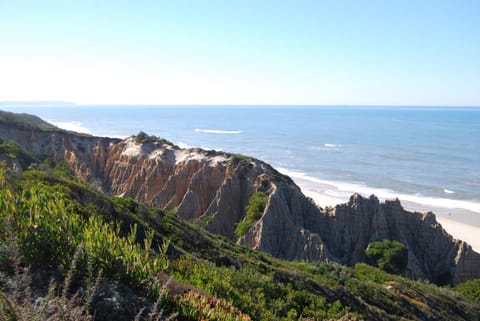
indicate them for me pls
(292, 228)
(215, 187)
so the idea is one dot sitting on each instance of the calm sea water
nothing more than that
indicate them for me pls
(422, 154)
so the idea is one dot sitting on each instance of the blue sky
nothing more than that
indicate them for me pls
(241, 52)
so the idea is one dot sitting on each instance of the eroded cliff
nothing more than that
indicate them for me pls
(214, 188)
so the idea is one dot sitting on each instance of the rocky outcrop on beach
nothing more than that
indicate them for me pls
(214, 189)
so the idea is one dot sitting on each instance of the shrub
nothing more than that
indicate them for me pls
(364, 272)
(11, 150)
(255, 293)
(199, 307)
(62, 169)
(24, 304)
(67, 299)
(143, 137)
(390, 256)
(25, 121)
(470, 289)
(256, 206)
(254, 211)
(236, 158)
(242, 228)
(43, 221)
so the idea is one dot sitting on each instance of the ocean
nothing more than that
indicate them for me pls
(423, 155)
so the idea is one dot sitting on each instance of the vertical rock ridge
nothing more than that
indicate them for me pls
(217, 186)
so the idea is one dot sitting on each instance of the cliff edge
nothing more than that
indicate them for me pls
(215, 188)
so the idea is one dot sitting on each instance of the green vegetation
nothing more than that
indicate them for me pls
(257, 293)
(393, 294)
(391, 256)
(198, 307)
(254, 211)
(470, 289)
(236, 158)
(142, 138)
(43, 217)
(11, 150)
(25, 121)
(46, 227)
(67, 229)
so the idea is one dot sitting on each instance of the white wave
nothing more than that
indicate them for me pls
(343, 189)
(116, 136)
(218, 131)
(209, 148)
(331, 145)
(344, 195)
(75, 126)
(448, 191)
(290, 172)
(182, 145)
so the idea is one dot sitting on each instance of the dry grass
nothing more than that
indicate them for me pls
(23, 302)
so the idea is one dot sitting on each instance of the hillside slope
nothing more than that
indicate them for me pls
(206, 267)
(215, 188)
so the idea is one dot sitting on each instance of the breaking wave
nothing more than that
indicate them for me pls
(218, 131)
(331, 145)
(74, 126)
(343, 190)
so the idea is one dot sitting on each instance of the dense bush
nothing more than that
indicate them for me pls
(236, 158)
(13, 151)
(25, 121)
(470, 289)
(255, 293)
(43, 222)
(198, 307)
(143, 137)
(254, 211)
(391, 256)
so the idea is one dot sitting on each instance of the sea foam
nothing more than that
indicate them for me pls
(343, 190)
(182, 145)
(218, 131)
(75, 126)
(332, 145)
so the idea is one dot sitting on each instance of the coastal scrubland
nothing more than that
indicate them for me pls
(70, 252)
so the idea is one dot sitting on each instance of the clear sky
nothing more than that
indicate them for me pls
(401, 52)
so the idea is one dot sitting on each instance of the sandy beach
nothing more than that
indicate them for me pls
(462, 224)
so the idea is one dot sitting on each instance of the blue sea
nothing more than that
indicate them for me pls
(426, 155)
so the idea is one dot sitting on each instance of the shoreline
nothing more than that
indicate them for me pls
(461, 223)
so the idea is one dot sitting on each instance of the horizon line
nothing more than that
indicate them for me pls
(42, 103)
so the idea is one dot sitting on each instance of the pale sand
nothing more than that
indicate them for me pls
(460, 223)
(467, 233)
(190, 154)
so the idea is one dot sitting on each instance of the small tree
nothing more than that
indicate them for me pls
(390, 256)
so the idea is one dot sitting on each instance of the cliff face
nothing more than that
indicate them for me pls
(215, 187)
(293, 228)
(86, 154)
